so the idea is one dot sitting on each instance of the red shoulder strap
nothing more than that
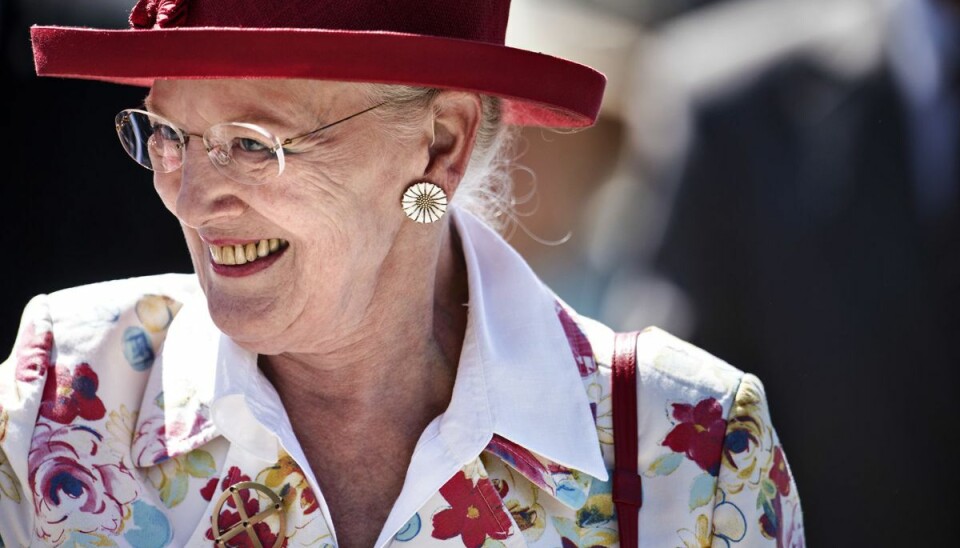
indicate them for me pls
(627, 489)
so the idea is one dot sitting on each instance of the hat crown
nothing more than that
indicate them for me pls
(478, 20)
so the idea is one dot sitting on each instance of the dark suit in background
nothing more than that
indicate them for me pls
(801, 234)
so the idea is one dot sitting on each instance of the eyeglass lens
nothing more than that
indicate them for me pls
(243, 152)
(154, 145)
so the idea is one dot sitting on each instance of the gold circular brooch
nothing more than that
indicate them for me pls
(246, 523)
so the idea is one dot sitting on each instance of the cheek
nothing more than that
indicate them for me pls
(341, 224)
(195, 246)
(167, 186)
(332, 205)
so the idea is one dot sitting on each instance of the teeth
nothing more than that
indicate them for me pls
(247, 253)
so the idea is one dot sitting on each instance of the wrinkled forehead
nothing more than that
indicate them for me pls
(274, 102)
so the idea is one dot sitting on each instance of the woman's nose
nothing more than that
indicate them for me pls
(206, 196)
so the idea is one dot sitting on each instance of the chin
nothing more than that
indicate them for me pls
(254, 324)
(250, 334)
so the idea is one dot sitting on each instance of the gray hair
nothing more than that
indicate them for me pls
(486, 189)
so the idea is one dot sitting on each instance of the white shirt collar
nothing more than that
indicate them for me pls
(210, 387)
(517, 378)
(516, 343)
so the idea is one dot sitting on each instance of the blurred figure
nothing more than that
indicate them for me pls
(552, 228)
(814, 235)
(579, 250)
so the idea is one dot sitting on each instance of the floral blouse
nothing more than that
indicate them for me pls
(128, 419)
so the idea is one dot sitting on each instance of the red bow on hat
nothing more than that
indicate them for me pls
(158, 14)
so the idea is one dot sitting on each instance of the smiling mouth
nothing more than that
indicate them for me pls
(245, 253)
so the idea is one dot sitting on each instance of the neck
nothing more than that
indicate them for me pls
(398, 366)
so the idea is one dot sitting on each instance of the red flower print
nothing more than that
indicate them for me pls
(67, 395)
(158, 13)
(33, 355)
(501, 487)
(234, 475)
(699, 434)
(228, 518)
(780, 473)
(287, 479)
(476, 512)
(209, 489)
(308, 501)
(776, 523)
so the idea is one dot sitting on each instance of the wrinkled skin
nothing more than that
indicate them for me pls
(359, 323)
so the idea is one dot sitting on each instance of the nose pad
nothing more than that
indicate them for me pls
(205, 194)
(218, 155)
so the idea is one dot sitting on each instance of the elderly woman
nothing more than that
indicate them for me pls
(353, 363)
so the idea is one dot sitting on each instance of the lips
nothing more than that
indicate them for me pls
(241, 254)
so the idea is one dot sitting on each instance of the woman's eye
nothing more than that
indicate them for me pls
(251, 145)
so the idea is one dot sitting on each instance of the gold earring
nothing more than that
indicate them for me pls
(424, 202)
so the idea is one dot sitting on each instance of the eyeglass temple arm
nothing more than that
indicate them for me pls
(292, 140)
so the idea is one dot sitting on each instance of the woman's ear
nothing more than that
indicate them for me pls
(457, 115)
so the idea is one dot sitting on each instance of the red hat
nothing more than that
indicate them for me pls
(453, 44)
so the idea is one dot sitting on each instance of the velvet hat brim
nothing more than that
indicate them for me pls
(538, 89)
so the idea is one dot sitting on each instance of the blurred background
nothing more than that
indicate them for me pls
(774, 180)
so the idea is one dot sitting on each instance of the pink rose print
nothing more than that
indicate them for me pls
(158, 13)
(78, 483)
(33, 355)
(476, 512)
(67, 395)
(180, 430)
(149, 444)
(699, 435)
